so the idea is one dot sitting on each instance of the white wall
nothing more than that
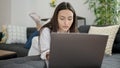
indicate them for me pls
(16, 11)
(5, 12)
(19, 12)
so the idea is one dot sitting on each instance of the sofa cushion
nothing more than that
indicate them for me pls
(16, 34)
(111, 61)
(107, 30)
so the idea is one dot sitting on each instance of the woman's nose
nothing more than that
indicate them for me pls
(66, 22)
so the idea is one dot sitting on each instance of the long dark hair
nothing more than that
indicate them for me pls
(53, 24)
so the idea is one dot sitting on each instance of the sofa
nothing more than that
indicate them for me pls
(35, 62)
(19, 48)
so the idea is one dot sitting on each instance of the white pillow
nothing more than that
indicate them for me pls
(107, 30)
(16, 34)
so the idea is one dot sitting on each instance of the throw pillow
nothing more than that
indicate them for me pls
(16, 34)
(4, 34)
(106, 30)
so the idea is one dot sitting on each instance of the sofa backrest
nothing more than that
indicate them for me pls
(116, 45)
(30, 30)
(84, 29)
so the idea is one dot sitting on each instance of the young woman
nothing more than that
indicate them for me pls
(63, 20)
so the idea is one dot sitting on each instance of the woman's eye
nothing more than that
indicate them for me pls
(70, 19)
(61, 18)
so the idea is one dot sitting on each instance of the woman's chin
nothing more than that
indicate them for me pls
(65, 30)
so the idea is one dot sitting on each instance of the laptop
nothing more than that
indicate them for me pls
(77, 50)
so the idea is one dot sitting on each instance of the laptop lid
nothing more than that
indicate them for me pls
(76, 50)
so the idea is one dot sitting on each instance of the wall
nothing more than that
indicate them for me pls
(20, 11)
(5, 12)
(16, 11)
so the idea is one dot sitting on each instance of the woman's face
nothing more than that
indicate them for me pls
(65, 20)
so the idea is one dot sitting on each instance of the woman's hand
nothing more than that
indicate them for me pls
(47, 55)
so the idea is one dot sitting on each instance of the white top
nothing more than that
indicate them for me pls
(44, 44)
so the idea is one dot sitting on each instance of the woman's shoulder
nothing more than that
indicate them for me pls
(35, 38)
(45, 30)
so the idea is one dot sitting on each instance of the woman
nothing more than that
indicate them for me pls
(63, 20)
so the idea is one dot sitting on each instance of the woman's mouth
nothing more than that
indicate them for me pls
(65, 27)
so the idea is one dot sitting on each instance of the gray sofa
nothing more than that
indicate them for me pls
(35, 62)
(17, 47)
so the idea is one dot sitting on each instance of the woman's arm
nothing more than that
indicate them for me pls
(45, 42)
(34, 49)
